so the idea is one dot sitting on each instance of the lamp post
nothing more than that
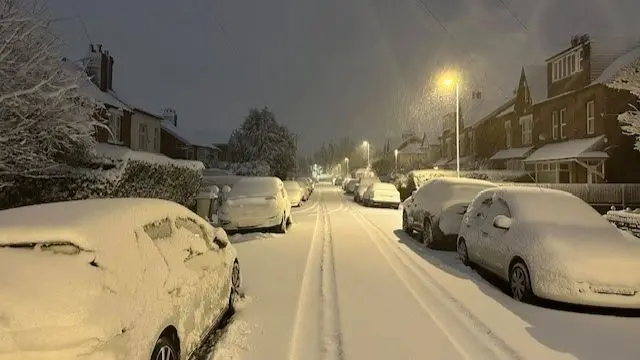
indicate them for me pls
(395, 153)
(366, 143)
(346, 160)
(448, 81)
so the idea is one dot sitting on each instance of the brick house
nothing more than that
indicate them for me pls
(576, 132)
(562, 125)
(98, 66)
(174, 144)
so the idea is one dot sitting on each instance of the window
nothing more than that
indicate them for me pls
(115, 124)
(463, 140)
(191, 225)
(563, 123)
(525, 90)
(201, 154)
(472, 143)
(567, 65)
(156, 139)
(142, 137)
(554, 125)
(507, 130)
(160, 229)
(527, 129)
(591, 117)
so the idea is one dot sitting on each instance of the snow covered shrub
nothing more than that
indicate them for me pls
(628, 78)
(114, 172)
(45, 123)
(625, 219)
(249, 168)
(261, 138)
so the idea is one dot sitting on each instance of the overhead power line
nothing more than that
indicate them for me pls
(513, 15)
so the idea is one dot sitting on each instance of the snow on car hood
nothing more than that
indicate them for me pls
(599, 254)
(55, 300)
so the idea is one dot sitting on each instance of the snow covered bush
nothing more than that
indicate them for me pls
(261, 138)
(628, 78)
(628, 220)
(249, 168)
(114, 172)
(45, 123)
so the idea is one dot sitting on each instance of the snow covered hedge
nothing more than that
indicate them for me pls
(249, 168)
(115, 172)
(625, 219)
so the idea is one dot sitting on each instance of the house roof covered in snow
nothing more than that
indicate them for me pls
(588, 148)
(513, 153)
(607, 52)
(89, 89)
(175, 131)
(612, 70)
(412, 148)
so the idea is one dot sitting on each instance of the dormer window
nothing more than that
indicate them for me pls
(567, 65)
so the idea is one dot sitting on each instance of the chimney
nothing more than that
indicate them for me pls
(109, 71)
(104, 70)
(99, 48)
(171, 116)
(91, 48)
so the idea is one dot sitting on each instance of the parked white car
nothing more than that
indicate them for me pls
(435, 210)
(551, 244)
(381, 194)
(111, 279)
(362, 186)
(295, 192)
(256, 203)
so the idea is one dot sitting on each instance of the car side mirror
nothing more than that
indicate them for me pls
(502, 222)
(221, 244)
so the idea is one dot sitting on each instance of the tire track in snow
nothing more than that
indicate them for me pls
(494, 346)
(332, 343)
(319, 266)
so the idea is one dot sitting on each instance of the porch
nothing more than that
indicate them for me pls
(574, 161)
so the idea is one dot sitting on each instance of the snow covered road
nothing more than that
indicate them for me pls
(346, 283)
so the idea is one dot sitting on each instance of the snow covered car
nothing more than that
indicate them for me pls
(350, 186)
(308, 183)
(551, 244)
(435, 210)
(111, 279)
(256, 203)
(295, 192)
(381, 194)
(363, 184)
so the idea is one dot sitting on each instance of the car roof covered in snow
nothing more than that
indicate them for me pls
(460, 181)
(88, 224)
(534, 204)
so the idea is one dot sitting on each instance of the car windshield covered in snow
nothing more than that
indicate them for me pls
(253, 187)
(292, 186)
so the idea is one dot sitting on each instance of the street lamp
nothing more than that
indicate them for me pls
(366, 143)
(395, 153)
(449, 80)
(346, 160)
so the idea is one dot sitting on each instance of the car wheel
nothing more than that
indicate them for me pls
(282, 228)
(427, 234)
(520, 282)
(405, 223)
(236, 284)
(463, 252)
(165, 349)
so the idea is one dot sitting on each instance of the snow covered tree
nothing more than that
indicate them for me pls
(628, 78)
(44, 122)
(261, 138)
